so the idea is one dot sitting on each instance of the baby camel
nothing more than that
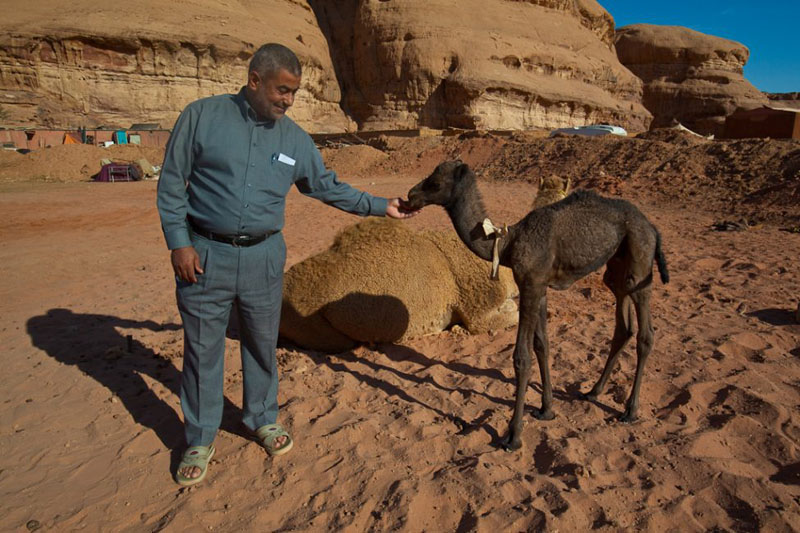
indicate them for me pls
(554, 246)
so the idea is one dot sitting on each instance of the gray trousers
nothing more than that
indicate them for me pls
(253, 278)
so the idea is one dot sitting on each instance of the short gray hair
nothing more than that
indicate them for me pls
(272, 57)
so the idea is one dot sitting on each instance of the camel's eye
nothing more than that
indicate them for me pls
(431, 186)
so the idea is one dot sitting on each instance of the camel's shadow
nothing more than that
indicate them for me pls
(342, 362)
(92, 343)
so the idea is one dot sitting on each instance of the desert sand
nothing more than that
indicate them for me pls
(404, 437)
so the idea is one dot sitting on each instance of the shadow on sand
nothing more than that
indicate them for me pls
(92, 343)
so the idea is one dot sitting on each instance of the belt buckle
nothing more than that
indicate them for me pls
(239, 240)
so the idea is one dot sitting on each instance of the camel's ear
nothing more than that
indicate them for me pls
(461, 170)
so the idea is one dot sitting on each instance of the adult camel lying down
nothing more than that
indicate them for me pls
(382, 282)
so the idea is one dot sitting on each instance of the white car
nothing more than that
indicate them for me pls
(596, 129)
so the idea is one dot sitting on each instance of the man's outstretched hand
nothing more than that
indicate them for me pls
(397, 209)
(186, 264)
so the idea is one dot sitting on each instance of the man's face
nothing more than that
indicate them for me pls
(271, 97)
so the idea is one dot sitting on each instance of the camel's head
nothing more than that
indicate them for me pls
(438, 188)
(552, 183)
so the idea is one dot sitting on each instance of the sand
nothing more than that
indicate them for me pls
(404, 437)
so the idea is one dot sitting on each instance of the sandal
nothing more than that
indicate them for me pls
(266, 436)
(198, 456)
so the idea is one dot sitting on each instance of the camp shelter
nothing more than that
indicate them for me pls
(773, 122)
(113, 172)
(36, 138)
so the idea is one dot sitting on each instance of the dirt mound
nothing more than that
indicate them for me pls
(70, 162)
(673, 136)
(758, 179)
(357, 159)
(755, 179)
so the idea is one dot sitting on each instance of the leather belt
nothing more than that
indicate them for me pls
(233, 240)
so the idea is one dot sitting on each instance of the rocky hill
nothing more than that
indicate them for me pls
(688, 76)
(480, 64)
(368, 65)
(84, 63)
(391, 65)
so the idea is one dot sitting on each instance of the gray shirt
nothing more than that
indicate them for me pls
(230, 172)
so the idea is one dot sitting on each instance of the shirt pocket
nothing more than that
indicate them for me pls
(279, 177)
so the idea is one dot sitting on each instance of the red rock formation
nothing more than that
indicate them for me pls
(691, 77)
(485, 64)
(477, 64)
(87, 63)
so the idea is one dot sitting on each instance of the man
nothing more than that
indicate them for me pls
(229, 164)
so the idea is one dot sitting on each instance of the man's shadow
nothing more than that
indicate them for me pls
(92, 343)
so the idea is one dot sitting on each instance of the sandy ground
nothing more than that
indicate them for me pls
(393, 437)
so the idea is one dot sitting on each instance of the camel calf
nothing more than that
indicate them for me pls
(554, 246)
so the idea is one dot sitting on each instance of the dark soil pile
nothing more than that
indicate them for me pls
(756, 179)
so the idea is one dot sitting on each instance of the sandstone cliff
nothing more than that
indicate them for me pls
(486, 64)
(688, 76)
(479, 64)
(84, 63)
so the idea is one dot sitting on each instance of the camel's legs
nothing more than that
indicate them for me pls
(644, 343)
(529, 303)
(614, 279)
(542, 349)
(623, 331)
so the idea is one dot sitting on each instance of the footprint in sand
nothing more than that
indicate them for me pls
(746, 346)
(742, 434)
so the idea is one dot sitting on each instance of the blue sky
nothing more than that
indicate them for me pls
(768, 28)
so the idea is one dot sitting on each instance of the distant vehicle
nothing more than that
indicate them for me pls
(596, 129)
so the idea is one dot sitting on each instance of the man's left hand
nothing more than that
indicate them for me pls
(397, 209)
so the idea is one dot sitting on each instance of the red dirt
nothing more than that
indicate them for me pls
(402, 437)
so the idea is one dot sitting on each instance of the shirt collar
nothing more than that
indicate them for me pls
(247, 111)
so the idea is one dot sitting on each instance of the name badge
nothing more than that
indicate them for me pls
(283, 158)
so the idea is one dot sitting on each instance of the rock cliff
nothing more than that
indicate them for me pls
(84, 63)
(486, 64)
(499, 64)
(688, 76)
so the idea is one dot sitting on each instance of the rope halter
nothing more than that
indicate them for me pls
(493, 232)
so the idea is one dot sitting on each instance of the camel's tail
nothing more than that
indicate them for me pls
(661, 261)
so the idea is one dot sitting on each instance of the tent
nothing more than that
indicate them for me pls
(112, 172)
(777, 123)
